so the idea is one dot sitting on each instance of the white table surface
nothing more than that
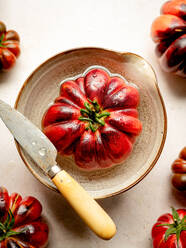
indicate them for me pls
(47, 27)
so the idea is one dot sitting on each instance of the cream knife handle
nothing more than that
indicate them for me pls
(87, 208)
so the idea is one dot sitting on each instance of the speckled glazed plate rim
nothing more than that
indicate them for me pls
(161, 100)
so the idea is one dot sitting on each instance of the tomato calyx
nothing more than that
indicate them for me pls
(5, 228)
(177, 227)
(93, 114)
(2, 40)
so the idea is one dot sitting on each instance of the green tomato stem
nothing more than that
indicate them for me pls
(85, 119)
(93, 114)
(103, 114)
(7, 226)
(176, 228)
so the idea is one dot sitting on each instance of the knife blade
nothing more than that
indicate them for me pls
(43, 152)
(36, 144)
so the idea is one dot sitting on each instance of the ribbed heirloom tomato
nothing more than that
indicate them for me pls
(9, 47)
(20, 222)
(169, 32)
(95, 118)
(170, 230)
(179, 171)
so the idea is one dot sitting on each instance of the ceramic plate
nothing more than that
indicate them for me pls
(42, 87)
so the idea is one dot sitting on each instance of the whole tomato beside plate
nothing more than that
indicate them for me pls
(168, 31)
(20, 222)
(179, 171)
(170, 230)
(9, 47)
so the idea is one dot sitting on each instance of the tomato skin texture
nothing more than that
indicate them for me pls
(95, 84)
(34, 233)
(25, 213)
(4, 206)
(158, 232)
(168, 31)
(15, 200)
(112, 140)
(9, 47)
(27, 217)
(179, 171)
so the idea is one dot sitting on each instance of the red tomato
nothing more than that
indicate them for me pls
(170, 230)
(95, 119)
(179, 171)
(168, 31)
(20, 222)
(9, 47)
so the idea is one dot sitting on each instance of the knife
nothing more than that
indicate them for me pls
(43, 152)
